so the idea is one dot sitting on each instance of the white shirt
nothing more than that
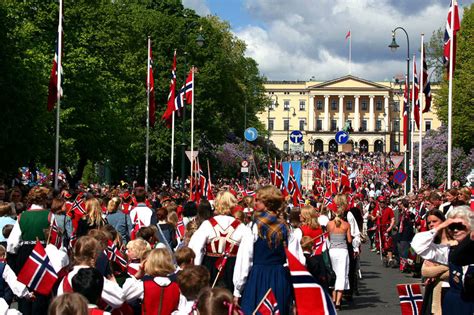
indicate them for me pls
(143, 214)
(18, 288)
(184, 307)
(206, 231)
(112, 293)
(244, 260)
(58, 258)
(133, 288)
(355, 232)
(4, 309)
(424, 246)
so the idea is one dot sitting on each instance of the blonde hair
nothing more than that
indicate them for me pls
(68, 304)
(225, 202)
(159, 263)
(309, 215)
(113, 204)
(172, 218)
(94, 212)
(307, 243)
(341, 202)
(138, 247)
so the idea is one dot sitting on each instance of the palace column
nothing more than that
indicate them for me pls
(341, 112)
(326, 126)
(371, 114)
(356, 125)
(311, 113)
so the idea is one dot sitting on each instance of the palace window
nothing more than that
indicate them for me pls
(364, 105)
(319, 125)
(349, 105)
(286, 105)
(271, 124)
(378, 105)
(302, 124)
(333, 124)
(334, 105)
(378, 125)
(319, 105)
(364, 125)
(427, 125)
(302, 104)
(286, 124)
(396, 125)
(396, 106)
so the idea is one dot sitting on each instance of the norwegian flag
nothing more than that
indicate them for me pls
(54, 234)
(171, 96)
(426, 85)
(151, 86)
(453, 9)
(327, 198)
(240, 188)
(472, 199)
(280, 182)
(137, 224)
(310, 297)
(319, 243)
(248, 192)
(268, 305)
(186, 92)
(37, 273)
(411, 298)
(73, 239)
(294, 190)
(344, 178)
(78, 210)
(416, 108)
(405, 114)
(180, 229)
(53, 94)
(113, 254)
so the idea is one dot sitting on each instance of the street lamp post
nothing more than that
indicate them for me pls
(288, 130)
(393, 46)
(270, 107)
(199, 41)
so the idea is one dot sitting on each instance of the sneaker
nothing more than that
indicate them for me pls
(373, 249)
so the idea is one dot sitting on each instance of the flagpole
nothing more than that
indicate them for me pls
(192, 119)
(450, 90)
(350, 52)
(172, 150)
(412, 125)
(421, 90)
(58, 93)
(147, 115)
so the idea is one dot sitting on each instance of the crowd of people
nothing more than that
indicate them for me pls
(125, 250)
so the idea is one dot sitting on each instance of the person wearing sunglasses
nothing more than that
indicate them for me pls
(458, 299)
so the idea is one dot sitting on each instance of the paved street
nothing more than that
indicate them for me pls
(378, 293)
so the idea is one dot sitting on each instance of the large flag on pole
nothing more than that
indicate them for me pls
(453, 9)
(151, 88)
(426, 85)
(53, 82)
(186, 92)
(171, 96)
(405, 114)
(416, 108)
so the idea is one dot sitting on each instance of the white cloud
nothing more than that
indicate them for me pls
(200, 6)
(302, 38)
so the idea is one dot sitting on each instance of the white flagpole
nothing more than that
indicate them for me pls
(412, 125)
(350, 51)
(192, 120)
(172, 150)
(420, 97)
(147, 115)
(58, 93)
(450, 91)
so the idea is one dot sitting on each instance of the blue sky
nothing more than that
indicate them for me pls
(298, 39)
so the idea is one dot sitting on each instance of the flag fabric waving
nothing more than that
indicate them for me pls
(348, 35)
(151, 88)
(114, 254)
(310, 297)
(53, 82)
(405, 114)
(426, 85)
(411, 298)
(37, 273)
(186, 92)
(416, 107)
(54, 235)
(453, 9)
(268, 305)
(171, 96)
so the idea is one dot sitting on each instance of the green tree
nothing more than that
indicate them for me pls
(463, 87)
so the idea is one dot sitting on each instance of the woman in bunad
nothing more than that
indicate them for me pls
(261, 257)
(339, 238)
(459, 224)
(151, 284)
(218, 237)
(29, 228)
(86, 251)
